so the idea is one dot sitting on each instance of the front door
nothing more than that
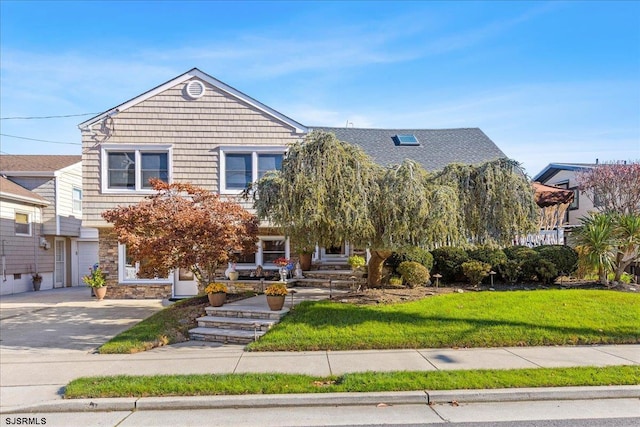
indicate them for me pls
(184, 283)
(60, 264)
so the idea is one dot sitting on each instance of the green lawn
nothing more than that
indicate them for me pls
(238, 384)
(471, 319)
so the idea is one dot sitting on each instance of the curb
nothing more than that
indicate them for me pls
(331, 399)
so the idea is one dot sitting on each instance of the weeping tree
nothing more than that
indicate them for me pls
(495, 198)
(329, 191)
(322, 194)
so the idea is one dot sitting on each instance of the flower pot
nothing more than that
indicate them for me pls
(36, 284)
(100, 292)
(233, 275)
(305, 261)
(217, 299)
(276, 302)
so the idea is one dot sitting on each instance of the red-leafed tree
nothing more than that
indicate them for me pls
(613, 187)
(183, 226)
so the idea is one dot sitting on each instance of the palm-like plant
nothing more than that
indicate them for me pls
(627, 236)
(596, 244)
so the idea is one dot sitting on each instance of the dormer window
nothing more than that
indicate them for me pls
(406, 140)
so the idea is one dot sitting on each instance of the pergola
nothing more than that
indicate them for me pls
(553, 202)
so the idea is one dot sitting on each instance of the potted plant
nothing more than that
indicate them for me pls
(217, 293)
(97, 280)
(37, 281)
(305, 258)
(275, 295)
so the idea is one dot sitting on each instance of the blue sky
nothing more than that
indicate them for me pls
(546, 81)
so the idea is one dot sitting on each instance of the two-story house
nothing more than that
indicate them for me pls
(64, 250)
(195, 128)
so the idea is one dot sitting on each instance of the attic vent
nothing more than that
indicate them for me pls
(405, 139)
(195, 89)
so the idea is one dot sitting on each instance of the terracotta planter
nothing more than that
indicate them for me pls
(276, 302)
(305, 262)
(100, 292)
(217, 299)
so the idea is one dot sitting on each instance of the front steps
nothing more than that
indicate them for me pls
(235, 324)
(336, 279)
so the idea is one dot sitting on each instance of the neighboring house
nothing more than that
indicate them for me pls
(194, 128)
(563, 175)
(65, 249)
(23, 251)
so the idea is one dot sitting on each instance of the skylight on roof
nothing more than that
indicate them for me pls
(405, 139)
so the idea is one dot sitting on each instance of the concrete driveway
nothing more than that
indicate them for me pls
(65, 320)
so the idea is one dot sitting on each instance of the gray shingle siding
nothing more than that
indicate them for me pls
(438, 147)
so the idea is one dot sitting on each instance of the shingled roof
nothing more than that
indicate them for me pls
(36, 162)
(437, 147)
(14, 191)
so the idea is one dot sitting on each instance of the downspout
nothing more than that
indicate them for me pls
(56, 197)
(4, 264)
(35, 239)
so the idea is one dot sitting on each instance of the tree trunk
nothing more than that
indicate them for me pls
(602, 273)
(623, 261)
(375, 267)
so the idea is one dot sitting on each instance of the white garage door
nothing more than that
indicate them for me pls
(87, 257)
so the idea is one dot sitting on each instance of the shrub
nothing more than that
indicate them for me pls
(409, 253)
(510, 271)
(564, 258)
(546, 271)
(448, 262)
(475, 271)
(395, 281)
(356, 262)
(526, 258)
(492, 256)
(625, 278)
(413, 273)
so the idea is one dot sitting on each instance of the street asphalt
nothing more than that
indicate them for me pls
(49, 338)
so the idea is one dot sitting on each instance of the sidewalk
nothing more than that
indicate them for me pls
(32, 375)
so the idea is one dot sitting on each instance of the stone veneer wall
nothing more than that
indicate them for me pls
(108, 255)
(139, 291)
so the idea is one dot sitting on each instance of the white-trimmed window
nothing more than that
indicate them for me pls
(76, 199)
(22, 224)
(128, 269)
(240, 166)
(268, 249)
(129, 168)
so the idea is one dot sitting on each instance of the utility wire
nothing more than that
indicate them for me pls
(46, 117)
(41, 140)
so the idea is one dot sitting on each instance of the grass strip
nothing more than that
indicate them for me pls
(254, 383)
(471, 319)
(167, 326)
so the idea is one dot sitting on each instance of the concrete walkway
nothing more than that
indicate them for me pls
(48, 339)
